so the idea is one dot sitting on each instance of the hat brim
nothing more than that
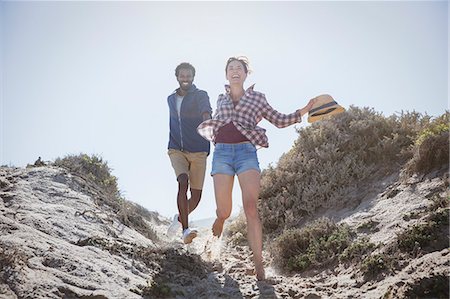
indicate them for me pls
(325, 112)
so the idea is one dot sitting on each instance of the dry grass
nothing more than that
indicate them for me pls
(95, 178)
(93, 169)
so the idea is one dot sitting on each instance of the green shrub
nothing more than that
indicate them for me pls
(431, 148)
(431, 235)
(330, 159)
(434, 128)
(374, 265)
(314, 246)
(356, 251)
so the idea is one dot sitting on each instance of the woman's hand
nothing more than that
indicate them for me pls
(308, 107)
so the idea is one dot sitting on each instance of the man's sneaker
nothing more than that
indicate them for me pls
(189, 235)
(174, 227)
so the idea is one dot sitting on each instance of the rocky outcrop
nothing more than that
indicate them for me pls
(49, 232)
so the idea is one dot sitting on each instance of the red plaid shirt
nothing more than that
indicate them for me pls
(250, 110)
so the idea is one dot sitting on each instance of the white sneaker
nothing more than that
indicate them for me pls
(174, 227)
(189, 235)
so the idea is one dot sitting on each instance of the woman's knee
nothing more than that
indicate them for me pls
(250, 208)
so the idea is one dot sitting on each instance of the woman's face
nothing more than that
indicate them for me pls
(236, 72)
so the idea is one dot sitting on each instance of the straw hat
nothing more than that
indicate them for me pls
(324, 106)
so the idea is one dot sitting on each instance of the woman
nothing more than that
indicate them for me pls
(236, 136)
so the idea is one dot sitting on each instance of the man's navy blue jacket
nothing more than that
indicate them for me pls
(183, 130)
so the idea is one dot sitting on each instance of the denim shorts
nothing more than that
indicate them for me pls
(234, 158)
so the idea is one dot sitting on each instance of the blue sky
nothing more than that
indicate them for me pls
(93, 77)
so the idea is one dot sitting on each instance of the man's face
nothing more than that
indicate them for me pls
(185, 79)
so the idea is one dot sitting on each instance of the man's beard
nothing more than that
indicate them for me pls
(185, 87)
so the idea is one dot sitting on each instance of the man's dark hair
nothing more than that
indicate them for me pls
(185, 65)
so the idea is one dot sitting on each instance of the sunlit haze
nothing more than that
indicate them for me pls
(93, 77)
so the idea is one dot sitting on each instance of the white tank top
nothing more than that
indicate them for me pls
(179, 100)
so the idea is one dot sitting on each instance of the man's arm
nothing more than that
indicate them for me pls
(204, 105)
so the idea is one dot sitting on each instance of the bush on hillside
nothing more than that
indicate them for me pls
(428, 236)
(375, 265)
(316, 245)
(357, 250)
(328, 161)
(431, 148)
(102, 186)
(93, 169)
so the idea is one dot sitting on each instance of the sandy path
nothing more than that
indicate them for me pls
(232, 273)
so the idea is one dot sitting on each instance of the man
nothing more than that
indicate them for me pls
(188, 107)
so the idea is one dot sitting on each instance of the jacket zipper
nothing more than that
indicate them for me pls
(181, 134)
(179, 123)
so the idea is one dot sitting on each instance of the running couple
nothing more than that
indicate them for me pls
(233, 130)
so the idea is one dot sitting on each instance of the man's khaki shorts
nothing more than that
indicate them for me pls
(192, 164)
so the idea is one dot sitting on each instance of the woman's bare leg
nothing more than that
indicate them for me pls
(250, 185)
(223, 187)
